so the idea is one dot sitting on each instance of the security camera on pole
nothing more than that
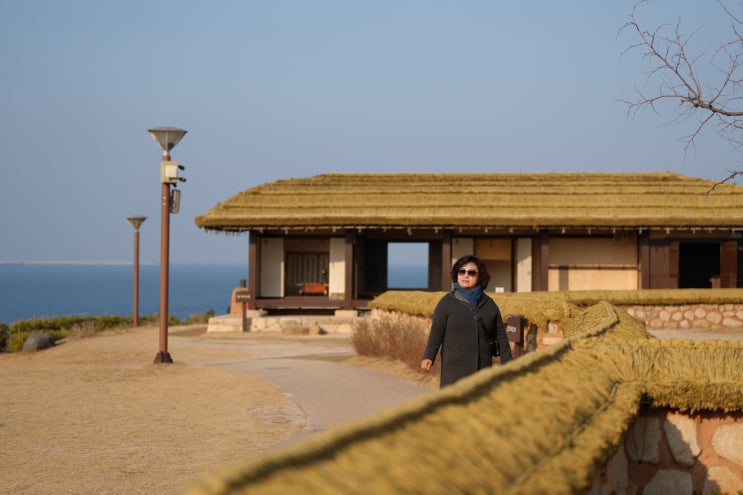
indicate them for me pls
(166, 138)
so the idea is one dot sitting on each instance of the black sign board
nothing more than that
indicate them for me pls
(242, 296)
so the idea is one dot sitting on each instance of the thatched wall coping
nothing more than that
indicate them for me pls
(540, 308)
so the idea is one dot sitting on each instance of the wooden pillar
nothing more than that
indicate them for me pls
(254, 264)
(729, 264)
(446, 260)
(544, 260)
(644, 259)
(350, 287)
(434, 265)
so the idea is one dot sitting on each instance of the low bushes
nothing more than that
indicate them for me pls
(12, 337)
(397, 336)
(4, 336)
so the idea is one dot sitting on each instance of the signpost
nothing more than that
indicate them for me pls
(244, 298)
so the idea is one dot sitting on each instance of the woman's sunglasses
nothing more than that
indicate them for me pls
(471, 273)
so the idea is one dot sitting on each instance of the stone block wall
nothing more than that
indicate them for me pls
(258, 321)
(666, 451)
(690, 316)
(657, 317)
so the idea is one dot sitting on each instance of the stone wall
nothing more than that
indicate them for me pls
(258, 321)
(656, 317)
(666, 451)
(690, 316)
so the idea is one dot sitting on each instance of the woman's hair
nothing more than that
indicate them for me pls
(483, 276)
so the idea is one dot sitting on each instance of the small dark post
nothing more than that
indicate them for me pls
(243, 297)
(515, 332)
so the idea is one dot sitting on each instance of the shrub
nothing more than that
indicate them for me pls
(4, 337)
(107, 322)
(63, 326)
(16, 341)
(200, 317)
(149, 320)
(393, 335)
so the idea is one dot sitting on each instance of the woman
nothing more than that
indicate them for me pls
(455, 329)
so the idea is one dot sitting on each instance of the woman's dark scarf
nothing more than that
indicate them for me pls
(472, 295)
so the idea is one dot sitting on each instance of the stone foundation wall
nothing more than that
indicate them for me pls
(256, 321)
(657, 317)
(666, 451)
(697, 316)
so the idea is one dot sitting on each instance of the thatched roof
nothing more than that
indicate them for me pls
(520, 200)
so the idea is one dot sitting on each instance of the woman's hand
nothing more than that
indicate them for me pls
(426, 364)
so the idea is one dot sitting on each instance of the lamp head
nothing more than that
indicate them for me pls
(136, 221)
(167, 137)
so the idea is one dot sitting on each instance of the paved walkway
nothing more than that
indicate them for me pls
(327, 393)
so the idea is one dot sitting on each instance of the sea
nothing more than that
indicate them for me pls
(40, 290)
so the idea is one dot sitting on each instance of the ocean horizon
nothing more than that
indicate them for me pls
(41, 289)
(46, 289)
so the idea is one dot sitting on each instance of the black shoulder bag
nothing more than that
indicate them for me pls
(492, 341)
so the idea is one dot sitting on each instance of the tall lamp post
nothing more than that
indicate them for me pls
(166, 138)
(136, 223)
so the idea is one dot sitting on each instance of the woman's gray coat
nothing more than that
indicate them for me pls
(464, 346)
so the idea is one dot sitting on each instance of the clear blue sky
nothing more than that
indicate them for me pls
(276, 89)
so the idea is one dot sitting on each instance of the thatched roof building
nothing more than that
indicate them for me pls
(539, 231)
(494, 200)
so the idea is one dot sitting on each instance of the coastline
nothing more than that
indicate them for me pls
(49, 290)
(63, 262)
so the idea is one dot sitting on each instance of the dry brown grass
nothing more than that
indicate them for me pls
(94, 416)
(397, 339)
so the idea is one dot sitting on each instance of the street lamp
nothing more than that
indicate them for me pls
(166, 138)
(136, 222)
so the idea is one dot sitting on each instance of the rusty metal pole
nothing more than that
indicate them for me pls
(163, 356)
(135, 315)
(166, 138)
(136, 222)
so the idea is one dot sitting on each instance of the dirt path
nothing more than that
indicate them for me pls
(94, 416)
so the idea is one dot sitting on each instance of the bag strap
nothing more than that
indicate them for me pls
(488, 335)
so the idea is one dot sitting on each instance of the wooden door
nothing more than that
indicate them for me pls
(729, 264)
(664, 264)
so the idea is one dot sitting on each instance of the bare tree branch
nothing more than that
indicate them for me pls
(677, 72)
(733, 174)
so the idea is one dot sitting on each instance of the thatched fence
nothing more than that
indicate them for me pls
(562, 420)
